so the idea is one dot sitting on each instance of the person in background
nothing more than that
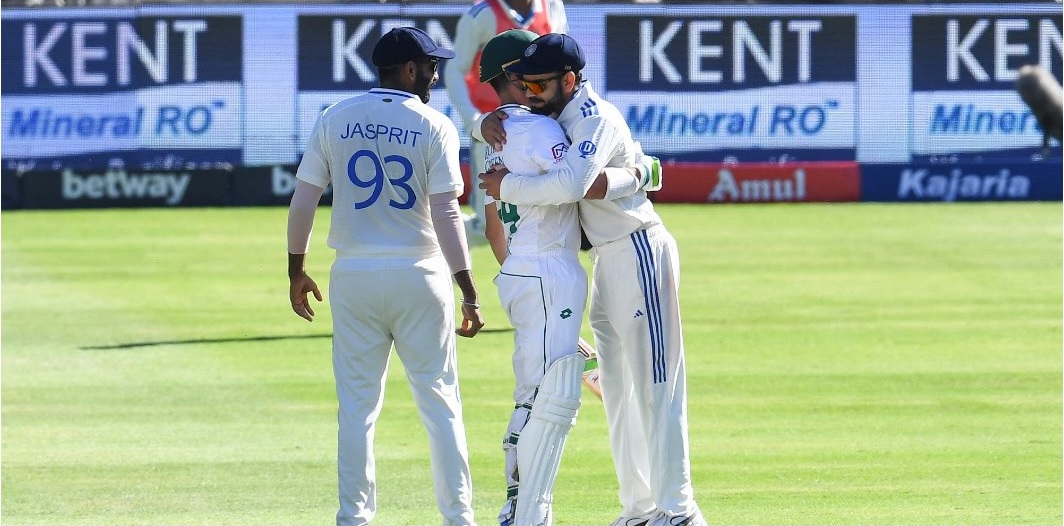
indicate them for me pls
(469, 96)
(396, 227)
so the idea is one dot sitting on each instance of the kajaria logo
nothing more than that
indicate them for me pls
(922, 183)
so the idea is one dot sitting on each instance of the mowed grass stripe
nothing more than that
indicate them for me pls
(847, 364)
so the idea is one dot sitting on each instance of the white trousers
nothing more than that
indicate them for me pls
(412, 308)
(544, 297)
(635, 316)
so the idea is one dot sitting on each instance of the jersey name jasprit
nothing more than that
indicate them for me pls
(373, 131)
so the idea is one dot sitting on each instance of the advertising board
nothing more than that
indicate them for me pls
(760, 182)
(168, 88)
(706, 88)
(118, 187)
(964, 101)
(122, 88)
(935, 182)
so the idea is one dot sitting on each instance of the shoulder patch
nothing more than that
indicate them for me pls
(558, 150)
(589, 108)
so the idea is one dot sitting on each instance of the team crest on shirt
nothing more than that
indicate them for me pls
(558, 150)
(587, 148)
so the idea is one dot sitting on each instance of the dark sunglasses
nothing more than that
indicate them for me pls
(435, 62)
(538, 86)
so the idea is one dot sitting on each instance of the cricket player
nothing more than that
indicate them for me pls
(542, 287)
(635, 312)
(396, 228)
(469, 96)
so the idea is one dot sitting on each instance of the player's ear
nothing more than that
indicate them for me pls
(569, 81)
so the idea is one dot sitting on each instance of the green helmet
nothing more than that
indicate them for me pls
(502, 50)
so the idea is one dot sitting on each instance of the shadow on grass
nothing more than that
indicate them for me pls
(199, 341)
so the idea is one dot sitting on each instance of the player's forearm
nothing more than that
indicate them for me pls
(494, 231)
(296, 264)
(476, 132)
(569, 180)
(464, 280)
(447, 222)
(301, 216)
(615, 183)
(557, 187)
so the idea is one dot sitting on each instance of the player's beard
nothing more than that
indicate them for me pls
(549, 107)
(423, 84)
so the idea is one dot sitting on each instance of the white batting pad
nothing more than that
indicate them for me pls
(539, 452)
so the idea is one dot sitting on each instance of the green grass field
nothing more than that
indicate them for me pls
(851, 364)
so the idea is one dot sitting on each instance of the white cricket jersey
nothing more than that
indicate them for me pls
(600, 138)
(475, 28)
(384, 152)
(534, 144)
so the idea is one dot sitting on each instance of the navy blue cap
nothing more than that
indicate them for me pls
(404, 44)
(549, 53)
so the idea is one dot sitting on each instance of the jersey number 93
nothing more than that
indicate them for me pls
(377, 175)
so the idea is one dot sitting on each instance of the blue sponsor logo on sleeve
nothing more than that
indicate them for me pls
(587, 148)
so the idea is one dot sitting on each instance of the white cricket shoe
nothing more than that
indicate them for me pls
(664, 519)
(642, 520)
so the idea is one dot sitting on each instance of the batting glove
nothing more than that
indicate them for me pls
(651, 172)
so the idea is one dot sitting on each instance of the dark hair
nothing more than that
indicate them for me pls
(389, 72)
(499, 82)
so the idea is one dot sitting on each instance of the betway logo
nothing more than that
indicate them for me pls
(923, 184)
(117, 184)
(283, 183)
(775, 189)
